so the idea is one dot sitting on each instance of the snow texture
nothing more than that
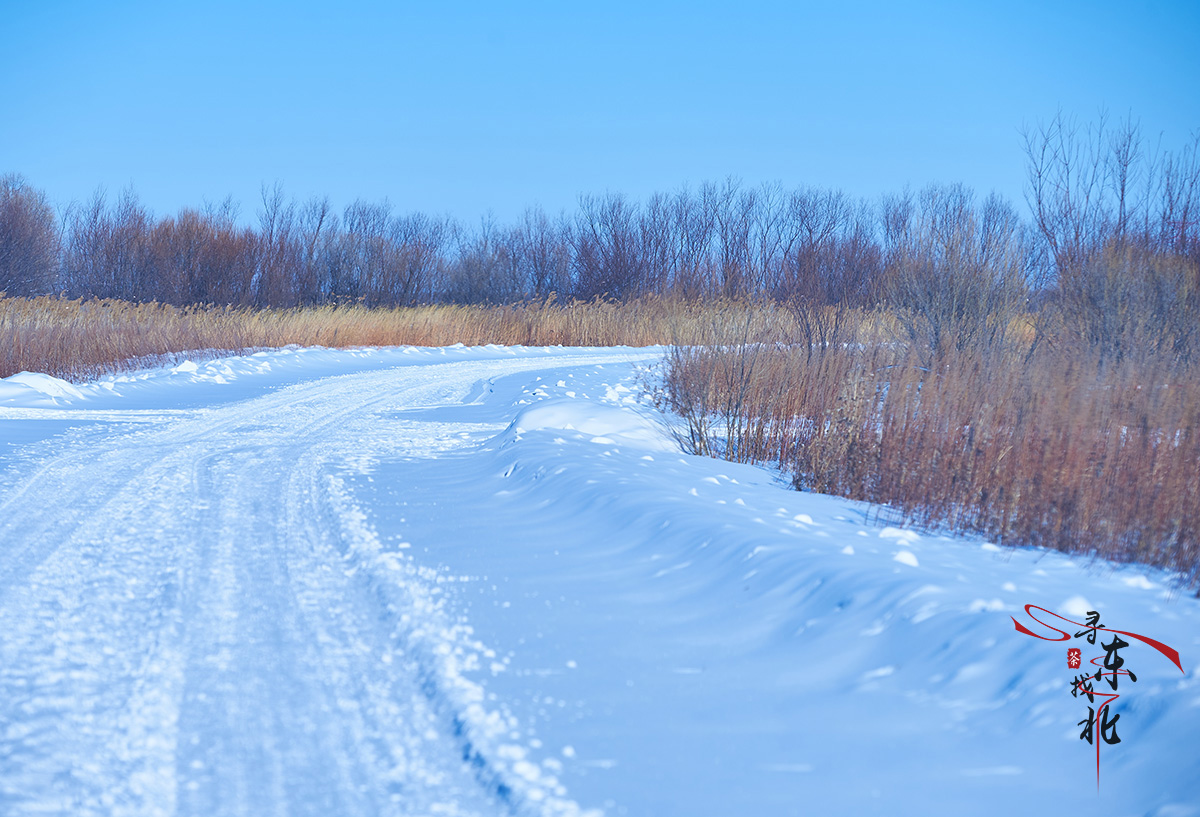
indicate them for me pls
(486, 581)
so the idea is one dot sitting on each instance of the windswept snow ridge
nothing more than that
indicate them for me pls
(485, 581)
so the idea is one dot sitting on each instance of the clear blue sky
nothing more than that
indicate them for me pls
(462, 108)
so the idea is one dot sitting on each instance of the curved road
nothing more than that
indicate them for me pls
(196, 619)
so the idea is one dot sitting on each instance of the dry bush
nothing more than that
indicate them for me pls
(742, 358)
(1130, 302)
(1050, 449)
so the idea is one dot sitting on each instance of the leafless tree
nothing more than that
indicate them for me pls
(1066, 187)
(733, 213)
(692, 230)
(29, 241)
(655, 232)
(608, 258)
(543, 252)
(280, 251)
(487, 267)
(315, 224)
(956, 272)
(1116, 225)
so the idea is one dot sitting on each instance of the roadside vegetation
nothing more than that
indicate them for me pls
(1038, 384)
(78, 339)
(1033, 379)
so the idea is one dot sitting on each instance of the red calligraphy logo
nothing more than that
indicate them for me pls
(1074, 657)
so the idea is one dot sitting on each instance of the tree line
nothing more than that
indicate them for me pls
(1108, 256)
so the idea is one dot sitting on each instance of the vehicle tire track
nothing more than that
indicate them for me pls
(196, 620)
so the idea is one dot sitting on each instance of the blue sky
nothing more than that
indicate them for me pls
(465, 108)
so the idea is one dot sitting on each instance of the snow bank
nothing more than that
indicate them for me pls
(593, 421)
(30, 389)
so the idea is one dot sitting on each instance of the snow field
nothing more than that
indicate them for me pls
(486, 581)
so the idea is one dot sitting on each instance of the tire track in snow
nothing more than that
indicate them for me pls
(195, 619)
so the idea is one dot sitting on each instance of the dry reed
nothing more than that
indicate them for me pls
(78, 339)
(1050, 447)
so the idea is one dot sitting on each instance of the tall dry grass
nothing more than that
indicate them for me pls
(1048, 446)
(78, 339)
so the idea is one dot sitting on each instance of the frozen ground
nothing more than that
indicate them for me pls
(485, 581)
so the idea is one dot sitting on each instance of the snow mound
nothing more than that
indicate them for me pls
(33, 389)
(604, 424)
(1076, 606)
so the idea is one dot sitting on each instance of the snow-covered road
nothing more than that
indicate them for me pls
(483, 581)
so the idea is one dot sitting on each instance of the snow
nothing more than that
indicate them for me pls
(487, 581)
(593, 421)
(33, 389)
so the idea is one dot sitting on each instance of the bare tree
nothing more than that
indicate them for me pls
(608, 257)
(1066, 187)
(486, 269)
(367, 251)
(316, 222)
(956, 271)
(692, 231)
(280, 251)
(29, 241)
(733, 211)
(1116, 225)
(773, 235)
(421, 243)
(655, 232)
